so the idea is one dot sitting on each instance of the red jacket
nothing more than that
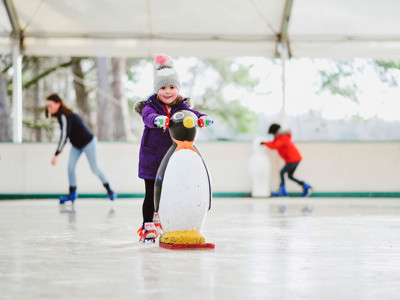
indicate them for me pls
(286, 148)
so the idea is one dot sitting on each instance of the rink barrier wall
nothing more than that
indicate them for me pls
(334, 169)
(215, 195)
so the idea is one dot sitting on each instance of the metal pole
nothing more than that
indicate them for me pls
(17, 66)
(284, 58)
(283, 51)
(17, 92)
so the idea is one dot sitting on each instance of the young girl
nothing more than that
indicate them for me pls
(290, 154)
(156, 140)
(82, 140)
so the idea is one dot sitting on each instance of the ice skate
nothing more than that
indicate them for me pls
(157, 223)
(281, 193)
(147, 233)
(307, 190)
(70, 197)
(112, 196)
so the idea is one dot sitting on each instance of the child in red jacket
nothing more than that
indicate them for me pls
(290, 154)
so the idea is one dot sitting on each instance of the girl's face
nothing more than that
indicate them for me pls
(52, 106)
(167, 94)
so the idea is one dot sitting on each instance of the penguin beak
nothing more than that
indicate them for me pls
(188, 122)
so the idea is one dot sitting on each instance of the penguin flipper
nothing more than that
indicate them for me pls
(208, 176)
(160, 176)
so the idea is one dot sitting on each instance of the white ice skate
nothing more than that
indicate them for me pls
(157, 223)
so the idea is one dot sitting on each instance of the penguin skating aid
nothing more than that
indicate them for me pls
(182, 193)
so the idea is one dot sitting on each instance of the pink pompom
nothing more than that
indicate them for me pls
(161, 59)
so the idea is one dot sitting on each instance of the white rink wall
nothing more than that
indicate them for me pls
(329, 167)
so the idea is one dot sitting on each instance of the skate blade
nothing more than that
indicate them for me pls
(66, 203)
(148, 241)
(187, 246)
(309, 192)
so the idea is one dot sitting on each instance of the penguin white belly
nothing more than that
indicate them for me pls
(185, 192)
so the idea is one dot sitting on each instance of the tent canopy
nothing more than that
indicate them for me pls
(206, 28)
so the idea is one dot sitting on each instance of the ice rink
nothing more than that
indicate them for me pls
(292, 248)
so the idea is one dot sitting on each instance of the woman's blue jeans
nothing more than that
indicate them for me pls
(91, 153)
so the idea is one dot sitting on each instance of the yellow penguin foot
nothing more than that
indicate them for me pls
(190, 239)
(183, 237)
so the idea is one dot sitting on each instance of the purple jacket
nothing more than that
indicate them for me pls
(155, 141)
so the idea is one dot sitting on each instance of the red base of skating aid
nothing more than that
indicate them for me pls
(187, 246)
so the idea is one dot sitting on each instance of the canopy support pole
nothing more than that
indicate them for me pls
(283, 51)
(283, 79)
(17, 67)
(17, 92)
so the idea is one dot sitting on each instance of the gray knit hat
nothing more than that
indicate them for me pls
(164, 73)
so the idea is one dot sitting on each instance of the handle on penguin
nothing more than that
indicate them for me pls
(166, 124)
(205, 121)
(162, 122)
(201, 123)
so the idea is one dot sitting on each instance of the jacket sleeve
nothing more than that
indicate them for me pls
(148, 116)
(64, 134)
(275, 144)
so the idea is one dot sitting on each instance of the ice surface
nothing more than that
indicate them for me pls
(265, 249)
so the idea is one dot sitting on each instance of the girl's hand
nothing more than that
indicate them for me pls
(205, 121)
(161, 122)
(54, 160)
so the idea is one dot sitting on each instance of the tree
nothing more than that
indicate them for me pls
(388, 71)
(39, 79)
(5, 121)
(119, 105)
(103, 112)
(81, 93)
(227, 73)
(37, 96)
(338, 79)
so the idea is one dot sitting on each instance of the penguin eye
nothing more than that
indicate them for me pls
(179, 115)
